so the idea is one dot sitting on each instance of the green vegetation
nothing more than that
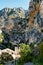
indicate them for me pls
(40, 48)
(5, 57)
(29, 54)
(38, 60)
(1, 38)
(41, 30)
(25, 52)
(1, 64)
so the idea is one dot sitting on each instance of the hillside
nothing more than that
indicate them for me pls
(23, 26)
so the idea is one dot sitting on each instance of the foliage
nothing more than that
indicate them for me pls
(38, 60)
(38, 64)
(25, 52)
(40, 48)
(1, 64)
(5, 57)
(1, 38)
(41, 30)
(25, 48)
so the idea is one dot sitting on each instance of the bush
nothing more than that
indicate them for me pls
(25, 53)
(40, 47)
(5, 57)
(1, 64)
(38, 60)
(1, 38)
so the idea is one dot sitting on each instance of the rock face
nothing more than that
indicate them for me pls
(35, 20)
(21, 25)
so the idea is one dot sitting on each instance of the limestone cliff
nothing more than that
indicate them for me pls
(34, 8)
(23, 26)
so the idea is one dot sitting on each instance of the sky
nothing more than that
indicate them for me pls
(14, 3)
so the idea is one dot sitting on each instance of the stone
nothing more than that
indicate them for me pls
(29, 63)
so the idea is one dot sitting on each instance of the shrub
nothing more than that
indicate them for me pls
(1, 38)
(38, 60)
(5, 57)
(25, 53)
(40, 47)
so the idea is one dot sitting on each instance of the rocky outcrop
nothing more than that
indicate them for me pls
(35, 20)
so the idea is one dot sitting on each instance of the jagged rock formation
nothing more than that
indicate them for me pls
(20, 25)
(35, 19)
(34, 9)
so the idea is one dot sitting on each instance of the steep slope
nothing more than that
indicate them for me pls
(34, 9)
(23, 26)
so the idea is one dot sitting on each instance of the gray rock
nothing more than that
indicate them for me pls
(29, 63)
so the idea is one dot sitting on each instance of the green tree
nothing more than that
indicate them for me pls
(25, 53)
